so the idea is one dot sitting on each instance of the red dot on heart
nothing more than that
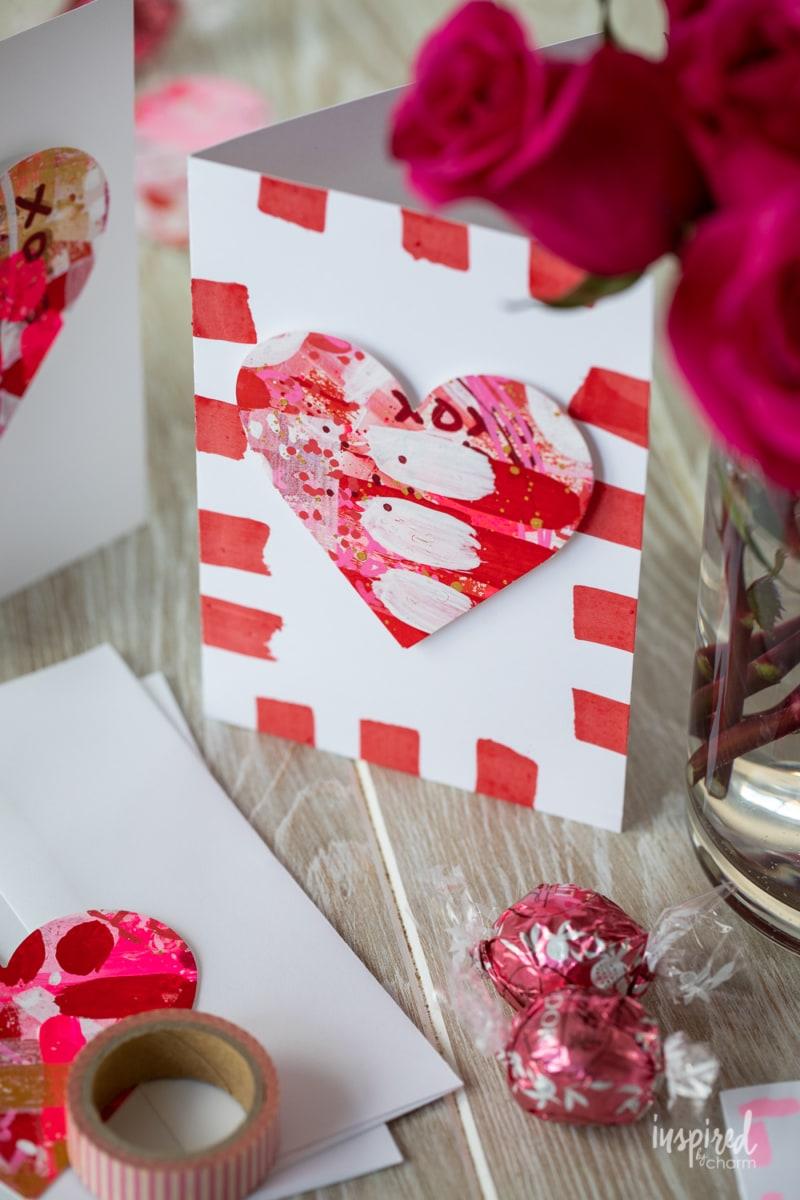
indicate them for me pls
(85, 948)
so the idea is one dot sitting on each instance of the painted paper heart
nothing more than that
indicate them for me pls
(52, 207)
(427, 510)
(62, 985)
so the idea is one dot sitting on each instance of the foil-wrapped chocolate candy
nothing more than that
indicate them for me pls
(560, 935)
(578, 1057)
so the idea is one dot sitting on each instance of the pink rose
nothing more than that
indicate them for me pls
(477, 89)
(738, 66)
(588, 157)
(611, 182)
(735, 331)
(682, 10)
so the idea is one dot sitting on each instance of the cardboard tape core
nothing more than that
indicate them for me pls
(175, 1054)
(172, 1045)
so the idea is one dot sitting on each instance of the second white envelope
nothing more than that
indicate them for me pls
(105, 806)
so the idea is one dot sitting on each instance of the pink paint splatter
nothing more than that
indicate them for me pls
(60, 206)
(63, 984)
(428, 509)
(174, 120)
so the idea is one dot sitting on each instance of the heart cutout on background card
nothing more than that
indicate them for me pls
(62, 985)
(52, 207)
(426, 510)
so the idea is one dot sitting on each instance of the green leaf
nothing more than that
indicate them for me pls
(704, 665)
(768, 672)
(737, 505)
(593, 288)
(767, 509)
(765, 602)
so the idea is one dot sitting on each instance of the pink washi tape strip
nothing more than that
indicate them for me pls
(172, 1045)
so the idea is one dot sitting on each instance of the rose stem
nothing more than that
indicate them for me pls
(760, 643)
(763, 672)
(732, 664)
(605, 19)
(759, 729)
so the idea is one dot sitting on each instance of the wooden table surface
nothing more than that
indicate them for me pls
(362, 841)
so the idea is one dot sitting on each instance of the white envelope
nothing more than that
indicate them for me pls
(72, 447)
(165, 1121)
(119, 812)
(199, 1123)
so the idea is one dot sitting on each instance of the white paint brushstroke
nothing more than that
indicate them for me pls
(469, 1124)
(558, 427)
(365, 377)
(431, 463)
(419, 601)
(421, 535)
(277, 350)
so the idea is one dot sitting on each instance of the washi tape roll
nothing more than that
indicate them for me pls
(172, 1045)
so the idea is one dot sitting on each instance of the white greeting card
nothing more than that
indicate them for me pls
(121, 811)
(763, 1126)
(72, 451)
(420, 489)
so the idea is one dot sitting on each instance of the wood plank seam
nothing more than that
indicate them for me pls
(463, 1106)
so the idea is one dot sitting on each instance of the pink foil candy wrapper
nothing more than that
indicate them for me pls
(560, 935)
(577, 1057)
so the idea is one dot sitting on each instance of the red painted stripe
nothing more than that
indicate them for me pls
(617, 403)
(227, 541)
(604, 617)
(222, 311)
(285, 720)
(601, 721)
(219, 428)
(437, 241)
(304, 206)
(239, 629)
(615, 515)
(392, 746)
(550, 277)
(505, 774)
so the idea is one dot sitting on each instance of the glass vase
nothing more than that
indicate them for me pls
(743, 772)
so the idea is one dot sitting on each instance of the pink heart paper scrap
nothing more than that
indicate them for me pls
(62, 985)
(427, 509)
(53, 205)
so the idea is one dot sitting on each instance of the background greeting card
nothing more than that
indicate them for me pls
(421, 490)
(72, 459)
(763, 1124)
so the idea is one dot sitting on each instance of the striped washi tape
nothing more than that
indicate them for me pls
(172, 1045)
